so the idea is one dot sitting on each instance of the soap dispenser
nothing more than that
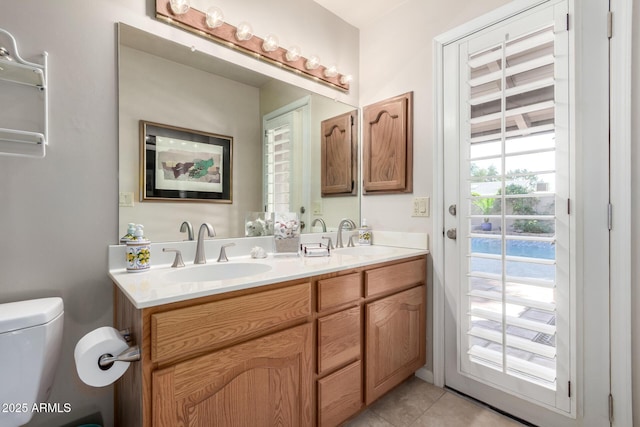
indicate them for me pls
(131, 229)
(138, 251)
(365, 235)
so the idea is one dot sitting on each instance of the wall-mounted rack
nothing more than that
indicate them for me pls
(14, 69)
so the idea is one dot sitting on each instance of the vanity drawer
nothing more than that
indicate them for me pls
(390, 278)
(340, 395)
(191, 330)
(339, 290)
(339, 339)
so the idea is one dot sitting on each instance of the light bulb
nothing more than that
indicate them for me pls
(180, 7)
(244, 31)
(293, 53)
(215, 17)
(270, 43)
(331, 71)
(346, 79)
(312, 63)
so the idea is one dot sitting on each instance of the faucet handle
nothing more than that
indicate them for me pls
(351, 236)
(329, 241)
(177, 261)
(223, 253)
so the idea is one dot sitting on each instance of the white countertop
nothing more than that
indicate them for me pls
(154, 286)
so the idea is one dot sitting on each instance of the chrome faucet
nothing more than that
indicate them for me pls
(350, 225)
(200, 257)
(322, 223)
(186, 226)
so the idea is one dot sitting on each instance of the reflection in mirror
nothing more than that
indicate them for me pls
(166, 83)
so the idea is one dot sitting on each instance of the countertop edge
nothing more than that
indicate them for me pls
(142, 288)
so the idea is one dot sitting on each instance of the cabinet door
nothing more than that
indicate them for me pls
(339, 153)
(395, 337)
(387, 150)
(263, 382)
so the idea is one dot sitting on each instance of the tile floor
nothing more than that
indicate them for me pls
(416, 403)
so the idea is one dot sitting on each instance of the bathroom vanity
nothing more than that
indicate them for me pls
(313, 347)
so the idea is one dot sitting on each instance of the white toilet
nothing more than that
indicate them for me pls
(30, 342)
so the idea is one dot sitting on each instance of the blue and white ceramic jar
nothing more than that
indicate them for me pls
(138, 252)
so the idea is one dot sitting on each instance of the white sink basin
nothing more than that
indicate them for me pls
(209, 272)
(365, 250)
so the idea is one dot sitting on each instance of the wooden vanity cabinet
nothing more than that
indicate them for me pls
(339, 367)
(234, 359)
(309, 352)
(263, 382)
(395, 339)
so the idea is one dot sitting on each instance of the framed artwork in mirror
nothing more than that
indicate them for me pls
(178, 164)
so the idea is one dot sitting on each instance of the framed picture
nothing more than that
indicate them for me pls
(184, 164)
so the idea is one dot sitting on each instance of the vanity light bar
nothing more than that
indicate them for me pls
(195, 21)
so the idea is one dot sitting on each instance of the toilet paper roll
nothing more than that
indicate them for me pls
(105, 340)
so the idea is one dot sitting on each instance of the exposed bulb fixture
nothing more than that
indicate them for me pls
(346, 79)
(312, 63)
(179, 7)
(215, 17)
(244, 31)
(331, 71)
(270, 43)
(293, 53)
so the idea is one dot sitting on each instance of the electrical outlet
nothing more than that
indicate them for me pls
(420, 207)
(126, 200)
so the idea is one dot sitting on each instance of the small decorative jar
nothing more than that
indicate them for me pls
(138, 252)
(286, 233)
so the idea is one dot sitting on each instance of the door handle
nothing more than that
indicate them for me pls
(452, 233)
(453, 210)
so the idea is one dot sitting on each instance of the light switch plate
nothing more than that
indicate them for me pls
(126, 200)
(420, 207)
(316, 207)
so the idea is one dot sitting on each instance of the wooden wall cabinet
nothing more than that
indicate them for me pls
(287, 354)
(339, 156)
(387, 149)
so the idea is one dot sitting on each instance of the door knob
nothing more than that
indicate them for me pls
(453, 209)
(452, 233)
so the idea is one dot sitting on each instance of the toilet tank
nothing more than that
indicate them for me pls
(30, 343)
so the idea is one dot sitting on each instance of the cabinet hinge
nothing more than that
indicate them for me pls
(611, 408)
(567, 22)
(569, 389)
(609, 24)
(610, 216)
(351, 117)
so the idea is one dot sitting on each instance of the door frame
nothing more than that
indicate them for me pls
(304, 105)
(621, 200)
(620, 196)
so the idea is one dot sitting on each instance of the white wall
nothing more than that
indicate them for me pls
(162, 91)
(58, 214)
(396, 57)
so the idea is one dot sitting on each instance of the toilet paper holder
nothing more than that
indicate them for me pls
(131, 354)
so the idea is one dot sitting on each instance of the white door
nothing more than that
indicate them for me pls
(285, 160)
(510, 251)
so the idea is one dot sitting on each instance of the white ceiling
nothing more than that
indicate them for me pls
(360, 12)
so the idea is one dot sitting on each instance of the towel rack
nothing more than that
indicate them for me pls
(14, 69)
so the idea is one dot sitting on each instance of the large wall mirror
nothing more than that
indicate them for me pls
(268, 122)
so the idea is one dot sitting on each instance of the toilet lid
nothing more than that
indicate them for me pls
(26, 314)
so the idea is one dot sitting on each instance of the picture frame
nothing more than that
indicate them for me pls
(178, 164)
